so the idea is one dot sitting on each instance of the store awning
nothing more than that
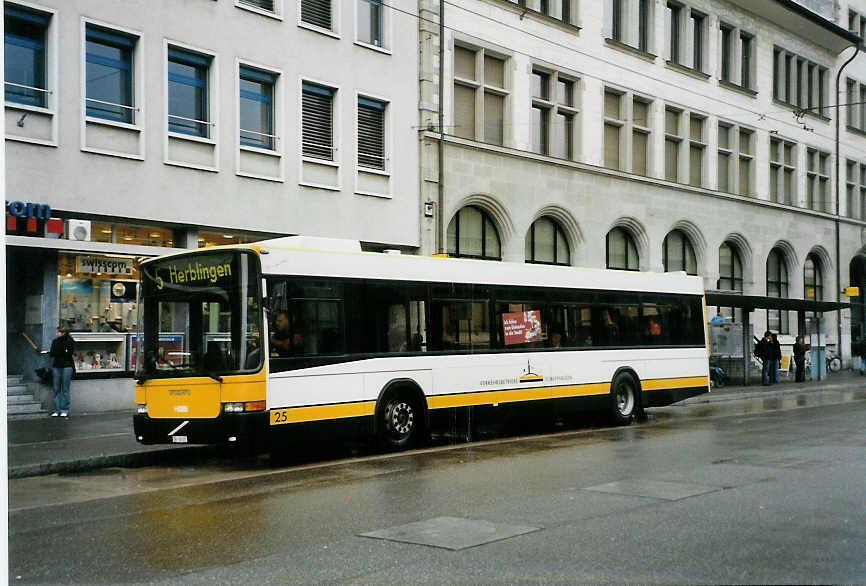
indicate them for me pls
(752, 302)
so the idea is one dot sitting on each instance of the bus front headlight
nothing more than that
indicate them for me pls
(142, 409)
(233, 407)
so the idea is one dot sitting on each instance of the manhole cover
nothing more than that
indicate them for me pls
(452, 533)
(657, 489)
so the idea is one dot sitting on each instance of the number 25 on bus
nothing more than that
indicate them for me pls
(245, 342)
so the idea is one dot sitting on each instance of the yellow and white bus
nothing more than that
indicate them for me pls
(236, 342)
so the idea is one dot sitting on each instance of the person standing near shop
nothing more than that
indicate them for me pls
(763, 352)
(62, 367)
(775, 358)
(800, 349)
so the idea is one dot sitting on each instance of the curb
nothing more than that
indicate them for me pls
(759, 394)
(168, 456)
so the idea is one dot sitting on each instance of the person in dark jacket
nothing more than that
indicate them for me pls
(775, 358)
(763, 351)
(62, 366)
(800, 349)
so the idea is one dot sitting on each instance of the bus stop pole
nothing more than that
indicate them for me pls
(747, 343)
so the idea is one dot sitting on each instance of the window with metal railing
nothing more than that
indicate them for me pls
(109, 67)
(188, 92)
(24, 46)
(256, 106)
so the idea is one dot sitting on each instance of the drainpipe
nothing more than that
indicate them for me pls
(440, 207)
(838, 208)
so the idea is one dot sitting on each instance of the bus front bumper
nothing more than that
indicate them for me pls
(225, 428)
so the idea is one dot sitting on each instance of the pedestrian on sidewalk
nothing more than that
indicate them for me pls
(62, 367)
(763, 352)
(776, 358)
(800, 349)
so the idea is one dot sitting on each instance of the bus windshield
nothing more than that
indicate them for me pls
(199, 315)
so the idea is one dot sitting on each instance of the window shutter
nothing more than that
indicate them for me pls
(316, 12)
(371, 134)
(263, 4)
(318, 136)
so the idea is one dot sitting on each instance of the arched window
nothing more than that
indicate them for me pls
(730, 278)
(472, 234)
(621, 251)
(777, 286)
(546, 243)
(813, 283)
(678, 253)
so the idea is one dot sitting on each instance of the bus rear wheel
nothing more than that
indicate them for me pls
(624, 399)
(400, 421)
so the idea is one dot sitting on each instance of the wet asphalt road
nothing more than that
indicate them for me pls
(754, 491)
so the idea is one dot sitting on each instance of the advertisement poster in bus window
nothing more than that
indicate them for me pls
(522, 327)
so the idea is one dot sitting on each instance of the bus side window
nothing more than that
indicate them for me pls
(417, 327)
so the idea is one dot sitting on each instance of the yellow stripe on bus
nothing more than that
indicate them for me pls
(516, 395)
(320, 412)
(660, 384)
(364, 408)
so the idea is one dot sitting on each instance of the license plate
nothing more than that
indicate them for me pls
(178, 439)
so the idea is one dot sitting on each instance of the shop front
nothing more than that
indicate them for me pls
(83, 277)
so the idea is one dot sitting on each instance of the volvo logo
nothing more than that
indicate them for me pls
(179, 392)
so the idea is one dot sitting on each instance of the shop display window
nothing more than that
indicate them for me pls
(131, 234)
(206, 239)
(99, 352)
(97, 293)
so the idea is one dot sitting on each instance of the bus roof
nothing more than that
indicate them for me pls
(297, 256)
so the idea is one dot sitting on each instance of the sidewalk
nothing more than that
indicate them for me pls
(49, 445)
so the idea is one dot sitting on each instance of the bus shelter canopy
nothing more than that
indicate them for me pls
(752, 302)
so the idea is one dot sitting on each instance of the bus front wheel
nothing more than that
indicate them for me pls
(624, 398)
(400, 421)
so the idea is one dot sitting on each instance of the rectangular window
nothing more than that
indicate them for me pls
(745, 162)
(540, 117)
(782, 171)
(672, 144)
(263, 4)
(552, 114)
(673, 16)
(696, 150)
(724, 158)
(24, 47)
(316, 12)
(727, 53)
(256, 106)
(643, 25)
(487, 77)
(109, 90)
(188, 92)
(630, 22)
(370, 22)
(317, 106)
(464, 111)
(616, 20)
(371, 133)
(612, 129)
(698, 21)
(746, 60)
(800, 82)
